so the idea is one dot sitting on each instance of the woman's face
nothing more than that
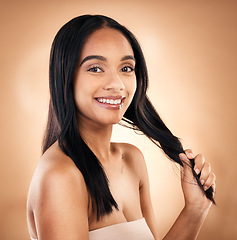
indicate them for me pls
(105, 80)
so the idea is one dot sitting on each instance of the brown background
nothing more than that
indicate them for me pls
(190, 47)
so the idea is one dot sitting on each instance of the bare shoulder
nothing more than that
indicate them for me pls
(132, 152)
(55, 169)
(58, 197)
(133, 158)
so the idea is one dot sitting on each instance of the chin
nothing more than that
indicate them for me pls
(112, 120)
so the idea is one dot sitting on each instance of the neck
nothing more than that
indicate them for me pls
(97, 137)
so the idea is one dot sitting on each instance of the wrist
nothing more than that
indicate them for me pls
(195, 213)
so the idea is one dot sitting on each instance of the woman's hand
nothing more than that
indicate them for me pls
(195, 199)
(190, 220)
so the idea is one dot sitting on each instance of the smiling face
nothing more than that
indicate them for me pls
(105, 80)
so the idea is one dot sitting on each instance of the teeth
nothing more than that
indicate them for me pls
(109, 101)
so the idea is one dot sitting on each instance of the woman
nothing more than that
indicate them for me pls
(86, 187)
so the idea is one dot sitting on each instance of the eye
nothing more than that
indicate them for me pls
(95, 69)
(127, 69)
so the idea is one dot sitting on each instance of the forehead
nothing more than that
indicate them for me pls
(106, 41)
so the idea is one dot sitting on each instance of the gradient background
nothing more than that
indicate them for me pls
(190, 48)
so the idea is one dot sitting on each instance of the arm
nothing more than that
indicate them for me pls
(189, 222)
(187, 225)
(62, 203)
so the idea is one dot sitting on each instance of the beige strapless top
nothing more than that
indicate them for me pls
(134, 230)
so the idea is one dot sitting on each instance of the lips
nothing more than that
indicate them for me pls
(111, 102)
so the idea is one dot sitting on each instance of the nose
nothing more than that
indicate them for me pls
(114, 82)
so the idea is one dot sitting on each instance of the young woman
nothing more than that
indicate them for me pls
(85, 186)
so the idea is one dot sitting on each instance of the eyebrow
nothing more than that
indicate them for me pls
(127, 57)
(101, 58)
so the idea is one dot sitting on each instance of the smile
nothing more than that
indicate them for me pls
(111, 102)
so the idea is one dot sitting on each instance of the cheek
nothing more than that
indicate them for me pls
(83, 87)
(81, 92)
(132, 86)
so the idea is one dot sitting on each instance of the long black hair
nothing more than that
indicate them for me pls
(62, 121)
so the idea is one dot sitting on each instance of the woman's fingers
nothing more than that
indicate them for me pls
(210, 181)
(205, 173)
(199, 160)
(199, 163)
(207, 178)
(189, 153)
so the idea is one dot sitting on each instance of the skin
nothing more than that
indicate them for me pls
(58, 205)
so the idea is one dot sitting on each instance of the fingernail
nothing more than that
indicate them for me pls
(197, 171)
(190, 155)
(202, 181)
(205, 188)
